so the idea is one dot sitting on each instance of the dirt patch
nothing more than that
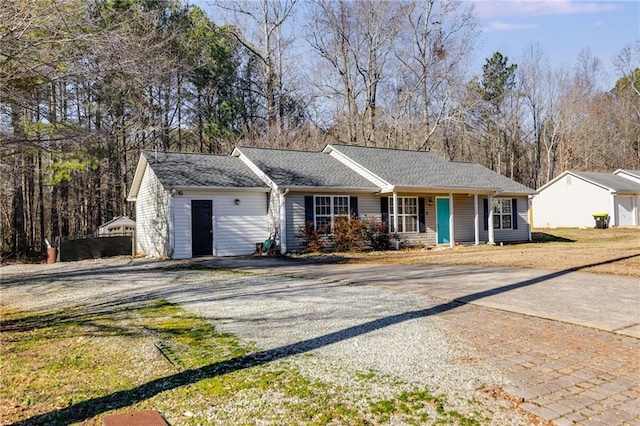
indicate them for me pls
(605, 251)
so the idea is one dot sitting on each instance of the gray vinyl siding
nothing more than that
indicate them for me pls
(153, 219)
(294, 206)
(507, 235)
(368, 206)
(464, 218)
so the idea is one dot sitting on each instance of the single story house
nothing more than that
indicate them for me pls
(572, 198)
(278, 191)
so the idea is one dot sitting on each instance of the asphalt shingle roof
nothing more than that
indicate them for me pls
(202, 170)
(304, 169)
(632, 172)
(615, 182)
(428, 170)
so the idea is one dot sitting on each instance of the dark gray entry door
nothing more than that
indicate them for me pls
(201, 228)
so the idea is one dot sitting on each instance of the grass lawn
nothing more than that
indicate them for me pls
(74, 367)
(605, 251)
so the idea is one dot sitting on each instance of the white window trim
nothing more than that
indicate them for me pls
(401, 217)
(500, 213)
(331, 206)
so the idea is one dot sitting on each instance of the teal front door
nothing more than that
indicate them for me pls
(442, 217)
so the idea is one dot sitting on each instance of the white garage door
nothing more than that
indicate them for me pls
(624, 213)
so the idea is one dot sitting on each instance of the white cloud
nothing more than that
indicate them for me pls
(518, 8)
(497, 26)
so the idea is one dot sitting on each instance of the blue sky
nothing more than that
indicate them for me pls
(562, 28)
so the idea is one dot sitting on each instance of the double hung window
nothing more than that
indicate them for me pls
(407, 214)
(502, 213)
(328, 208)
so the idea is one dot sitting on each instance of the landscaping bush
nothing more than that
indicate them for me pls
(349, 234)
(377, 233)
(314, 240)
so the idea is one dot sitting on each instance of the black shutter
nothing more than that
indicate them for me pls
(486, 214)
(514, 213)
(308, 208)
(421, 215)
(353, 205)
(384, 209)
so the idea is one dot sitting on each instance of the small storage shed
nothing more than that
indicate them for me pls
(118, 226)
(571, 199)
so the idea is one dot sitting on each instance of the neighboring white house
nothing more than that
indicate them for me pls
(572, 198)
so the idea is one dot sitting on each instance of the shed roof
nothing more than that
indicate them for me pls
(610, 181)
(289, 168)
(635, 173)
(178, 170)
(119, 220)
(427, 170)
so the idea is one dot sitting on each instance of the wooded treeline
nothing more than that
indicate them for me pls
(84, 86)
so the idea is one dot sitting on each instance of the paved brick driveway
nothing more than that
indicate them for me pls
(563, 373)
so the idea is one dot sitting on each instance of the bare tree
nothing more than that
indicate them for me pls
(268, 45)
(355, 39)
(532, 70)
(439, 38)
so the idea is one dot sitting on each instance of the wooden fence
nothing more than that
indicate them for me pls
(94, 248)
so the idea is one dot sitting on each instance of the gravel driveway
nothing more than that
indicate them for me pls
(349, 329)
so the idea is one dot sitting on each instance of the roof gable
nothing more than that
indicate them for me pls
(289, 168)
(119, 220)
(630, 173)
(177, 170)
(422, 169)
(607, 181)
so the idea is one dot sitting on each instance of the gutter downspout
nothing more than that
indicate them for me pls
(530, 214)
(283, 222)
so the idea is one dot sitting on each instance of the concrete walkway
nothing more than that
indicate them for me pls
(603, 302)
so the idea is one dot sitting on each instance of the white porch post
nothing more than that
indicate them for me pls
(476, 229)
(452, 243)
(395, 216)
(283, 221)
(530, 214)
(490, 220)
